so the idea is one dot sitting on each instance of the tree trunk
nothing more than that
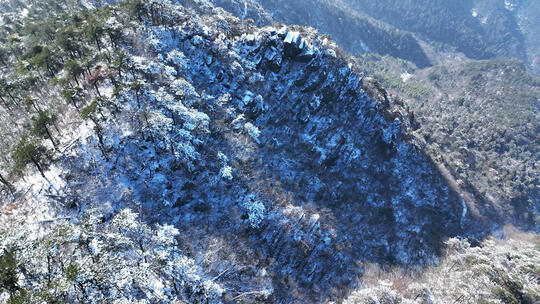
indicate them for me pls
(74, 102)
(97, 90)
(108, 57)
(55, 125)
(49, 269)
(51, 139)
(113, 81)
(97, 42)
(7, 184)
(38, 166)
(34, 105)
(150, 132)
(11, 96)
(120, 70)
(172, 148)
(138, 102)
(173, 117)
(99, 133)
(5, 103)
(113, 43)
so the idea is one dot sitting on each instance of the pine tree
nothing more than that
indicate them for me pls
(74, 69)
(95, 77)
(41, 58)
(120, 61)
(89, 112)
(71, 96)
(66, 40)
(6, 87)
(41, 126)
(29, 102)
(135, 8)
(8, 271)
(27, 151)
(94, 30)
(137, 87)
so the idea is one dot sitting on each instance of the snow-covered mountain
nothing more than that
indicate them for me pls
(168, 152)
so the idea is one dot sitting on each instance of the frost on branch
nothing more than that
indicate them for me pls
(253, 131)
(124, 261)
(255, 210)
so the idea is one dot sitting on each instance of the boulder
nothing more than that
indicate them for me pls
(293, 44)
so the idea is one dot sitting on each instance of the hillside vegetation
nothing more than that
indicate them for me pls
(168, 151)
(479, 29)
(479, 119)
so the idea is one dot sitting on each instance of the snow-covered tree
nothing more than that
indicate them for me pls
(122, 261)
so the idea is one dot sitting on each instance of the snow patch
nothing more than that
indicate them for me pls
(226, 173)
(253, 131)
(509, 5)
(406, 76)
(244, 14)
(463, 213)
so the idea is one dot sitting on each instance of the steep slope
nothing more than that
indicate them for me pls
(480, 29)
(503, 98)
(486, 128)
(528, 20)
(261, 146)
(480, 120)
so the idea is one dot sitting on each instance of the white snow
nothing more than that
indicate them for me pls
(463, 213)
(406, 76)
(509, 5)
(244, 14)
(253, 131)
(226, 173)
(293, 37)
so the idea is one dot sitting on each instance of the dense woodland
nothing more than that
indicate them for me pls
(55, 63)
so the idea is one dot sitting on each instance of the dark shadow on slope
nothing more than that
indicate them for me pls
(341, 182)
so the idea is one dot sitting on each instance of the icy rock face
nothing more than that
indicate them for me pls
(322, 127)
(265, 151)
(293, 44)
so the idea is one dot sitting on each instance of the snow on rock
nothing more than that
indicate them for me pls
(293, 44)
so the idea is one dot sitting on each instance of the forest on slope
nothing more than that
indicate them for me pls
(165, 151)
(493, 104)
